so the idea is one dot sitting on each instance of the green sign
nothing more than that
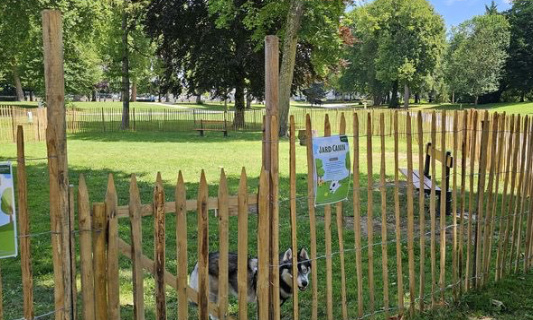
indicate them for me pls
(8, 230)
(332, 169)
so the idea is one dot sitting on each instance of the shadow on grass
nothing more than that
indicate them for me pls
(191, 136)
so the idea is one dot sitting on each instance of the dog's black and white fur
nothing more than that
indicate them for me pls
(285, 275)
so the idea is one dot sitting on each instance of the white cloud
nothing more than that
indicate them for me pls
(451, 2)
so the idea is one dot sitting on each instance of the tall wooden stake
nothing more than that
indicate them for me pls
(271, 162)
(57, 161)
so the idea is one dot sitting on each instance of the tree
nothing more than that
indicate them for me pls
(321, 32)
(225, 38)
(209, 50)
(22, 59)
(519, 66)
(400, 43)
(477, 55)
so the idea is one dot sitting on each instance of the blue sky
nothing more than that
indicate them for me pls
(457, 11)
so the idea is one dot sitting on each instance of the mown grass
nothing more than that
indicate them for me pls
(509, 107)
(514, 292)
(145, 153)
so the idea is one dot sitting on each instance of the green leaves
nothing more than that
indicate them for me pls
(477, 54)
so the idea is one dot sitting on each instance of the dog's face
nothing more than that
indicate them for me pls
(304, 268)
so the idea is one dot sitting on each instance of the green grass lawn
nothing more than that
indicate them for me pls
(515, 292)
(146, 153)
(508, 107)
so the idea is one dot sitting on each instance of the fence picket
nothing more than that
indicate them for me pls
(263, 242)
(312, 219)
(136, 249)
(113, 287)
(24, 226)
(421, 212)
(242, 256)
(340, 231)
(469, 264)
(432, 206)
(86, 259)
(399, 272)
(181, 238)
(383, 191)
(159, 248)
(410, 216)
(294, 227)
(455, 258)
(203, 246)
(327, 231)
(369, 214)
(100, 260)
(357, 217)
(223, 246)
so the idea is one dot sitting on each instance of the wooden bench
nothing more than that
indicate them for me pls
(426, 177)
(212, 125)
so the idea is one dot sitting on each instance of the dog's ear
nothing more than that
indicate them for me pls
(303, 254)
(287, 255)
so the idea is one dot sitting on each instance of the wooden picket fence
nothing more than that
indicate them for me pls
(436, 258)
(34, 122)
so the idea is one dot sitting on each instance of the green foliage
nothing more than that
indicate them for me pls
(315, 92)
(319, 168)
(398, 41)
(477, 54)
(520, 62)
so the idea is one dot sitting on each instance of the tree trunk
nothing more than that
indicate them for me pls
(378, 100)
(453, 97)
(18, 84)
(406, 95)
(125, 73)
(199, 99)
(523, 97)
(238, 121)
(133, 97)
(93, 95)
(290, 43)
(417, 98)
(31, 95)
(248, 101)
(477, 99)
(394, 103)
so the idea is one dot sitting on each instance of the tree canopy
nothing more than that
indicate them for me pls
(400, 43)
(477, 54)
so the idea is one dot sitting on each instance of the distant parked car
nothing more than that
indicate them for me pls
(146, 98)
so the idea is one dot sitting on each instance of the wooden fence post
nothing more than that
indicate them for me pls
(100, 260)
(57, 161)
(271, 163)
(24, 227)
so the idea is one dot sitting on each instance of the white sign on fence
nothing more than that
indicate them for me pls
(332, 169)
(8, 226)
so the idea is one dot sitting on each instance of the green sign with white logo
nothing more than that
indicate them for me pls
(8, 229)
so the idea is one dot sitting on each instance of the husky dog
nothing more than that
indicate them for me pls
(285, 275)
